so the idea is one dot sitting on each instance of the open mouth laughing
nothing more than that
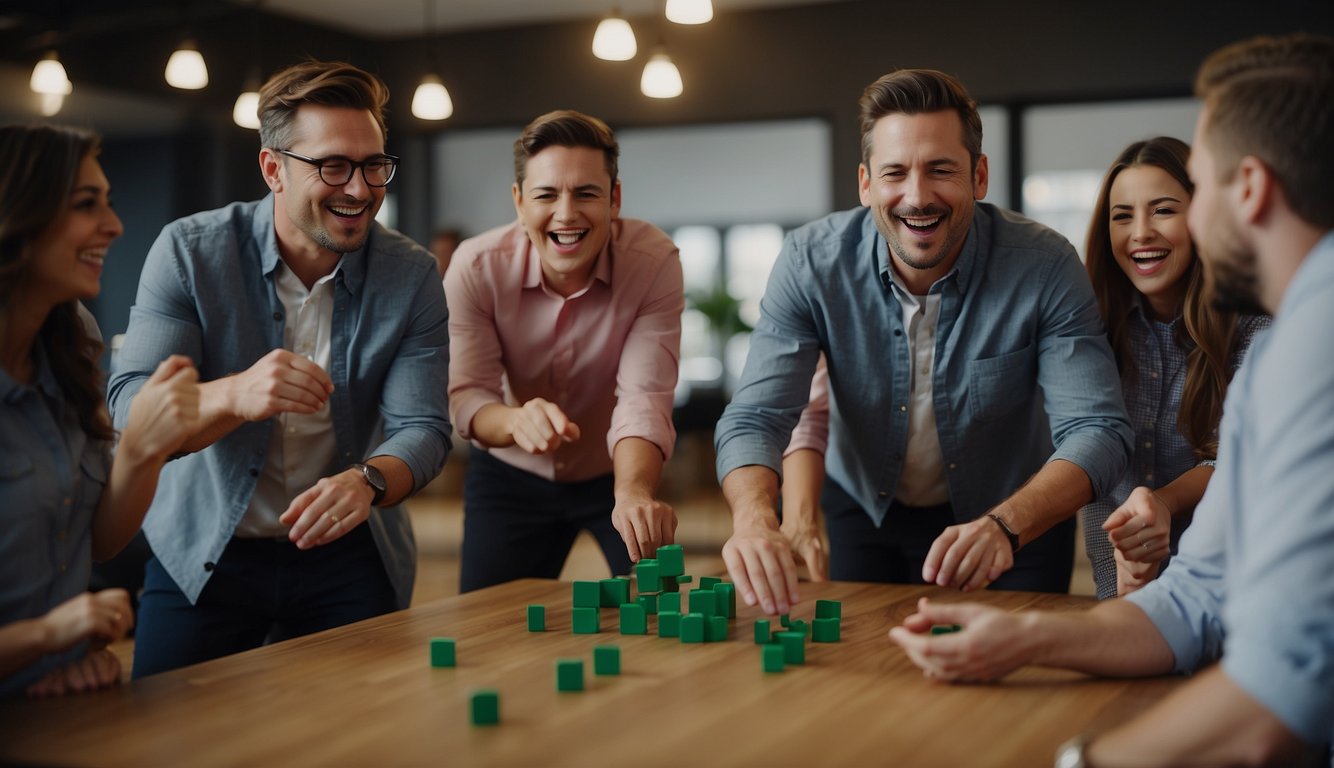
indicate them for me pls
(566, 239)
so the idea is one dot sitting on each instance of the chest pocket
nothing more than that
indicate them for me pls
(92, 479)
(998, 385)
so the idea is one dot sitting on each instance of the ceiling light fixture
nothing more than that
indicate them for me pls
(245, 112)
(431, 100)
(689, 11)
(614, 39)
(186, 69)
(49, 77)
(661, 78)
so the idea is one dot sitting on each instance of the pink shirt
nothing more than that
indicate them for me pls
(607, 355)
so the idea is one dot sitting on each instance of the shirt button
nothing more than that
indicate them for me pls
(208, 567)
(1148, 443)
(278, 316)
(1153, 374)
(883, 494)
(1148, 477)
(67, 501)
(254, 472)
(560, 465)
(903, 408)
(953, 465)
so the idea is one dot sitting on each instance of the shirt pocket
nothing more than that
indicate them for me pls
(24, 530)
(93, 470)
(998, 385)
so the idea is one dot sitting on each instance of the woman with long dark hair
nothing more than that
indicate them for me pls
(63, 501)
(1176, 353)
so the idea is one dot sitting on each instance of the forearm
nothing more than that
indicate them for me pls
(217, 416)
(1184, 493)
(637, 468)
(803, 479)
(1113, 639)
(1208, 721)
(751, 493)
(1055, 493)
(21, 643)
(398, 482)
(493, 425)
(124, 501)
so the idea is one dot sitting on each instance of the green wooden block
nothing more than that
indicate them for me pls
(585, 621)
(633, 619)
(828, 609)
(684, 578)
(669, 624)
(692, 628)
(648, 577)
(773, 658)
(668, 585)
(442, 652)
(614, 591)
(537, 618)
(707, 582)
(785, 620)
(606, 660)
(825, 630)
(793, 645)
(800, 625)
(569, 674)
(762, 636)
(669, 601)
(945, 629)
(650, 603)
(485, 707)
(726, 598)
(715, 629)
(671, 560)
(703, 601)
(587, 594)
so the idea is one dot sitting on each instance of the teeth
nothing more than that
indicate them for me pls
(920, 223)
(1149, 255)
(341, 211)
(95, 256)
(568, 238)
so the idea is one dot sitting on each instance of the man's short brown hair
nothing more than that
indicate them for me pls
(565, 128)
(328, 83)
(915, 91)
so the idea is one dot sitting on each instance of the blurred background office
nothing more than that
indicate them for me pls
(755, 134)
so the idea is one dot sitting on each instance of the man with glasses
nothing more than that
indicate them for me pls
(322, 338)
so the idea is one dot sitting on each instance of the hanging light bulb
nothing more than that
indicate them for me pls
(431, 101)
(614, 40)
(49, 77)
(661, 78)
(186, 69)
(689, 11)
(245, 112)
(50, 103)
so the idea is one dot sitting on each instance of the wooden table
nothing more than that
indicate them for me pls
(366, 695)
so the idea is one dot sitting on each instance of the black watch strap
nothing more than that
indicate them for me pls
(375, 479)
(1009, 533)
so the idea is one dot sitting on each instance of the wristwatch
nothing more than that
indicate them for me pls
(375, 479)
(1009, 533)
(1071, 753)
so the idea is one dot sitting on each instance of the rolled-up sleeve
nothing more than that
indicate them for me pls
(476, 368)
(650, 363)
(812, 430)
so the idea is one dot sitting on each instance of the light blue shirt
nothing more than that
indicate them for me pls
(1253, 581)
(207, 291)
(1023, 372)
(51, 478)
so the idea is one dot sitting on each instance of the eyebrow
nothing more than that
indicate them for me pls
(929, 163)
(94, 188)
(1155, 201)
(580, 188)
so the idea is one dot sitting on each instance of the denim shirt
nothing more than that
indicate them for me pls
(1023, 372)
(1251, 582)
(51, 479)
(207, 291)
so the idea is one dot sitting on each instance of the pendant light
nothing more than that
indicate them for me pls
(431, 101)
(614, 39)
(186, 69)
(245, 112)
(661, 78)
(49, 77)
(689, 11)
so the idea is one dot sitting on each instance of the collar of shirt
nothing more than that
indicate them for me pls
(963, 266)
(533, 277)
(352, 265)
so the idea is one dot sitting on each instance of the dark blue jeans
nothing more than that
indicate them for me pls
(518, 525)
(894, 552)
(261, 591)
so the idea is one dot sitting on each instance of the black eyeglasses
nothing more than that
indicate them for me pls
(337, 171)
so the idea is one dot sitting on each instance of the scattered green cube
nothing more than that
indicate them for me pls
(650, 603)
(585, 621)
(773, 658)
(569, 674)
(668, 585)
(762, 636)
(945, 629)
(825, 630)
(715, 629)
(649, 579)
(587, 594)
(793, 645)
(442, 652)
(684, 578)
(669, 624)
(800, 625)
(537, 618)
(692, 628)
(614, 591)
(671, 561)
(606, 660)
(485, 707)
(707, 582)
(785, 621)
(634, 621)
(828, 609)
(669, 601)
(726, 598)
(703, 601)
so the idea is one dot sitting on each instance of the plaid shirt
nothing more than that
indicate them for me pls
(1162, 453)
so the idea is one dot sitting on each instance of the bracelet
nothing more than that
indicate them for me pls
(1009, 533)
